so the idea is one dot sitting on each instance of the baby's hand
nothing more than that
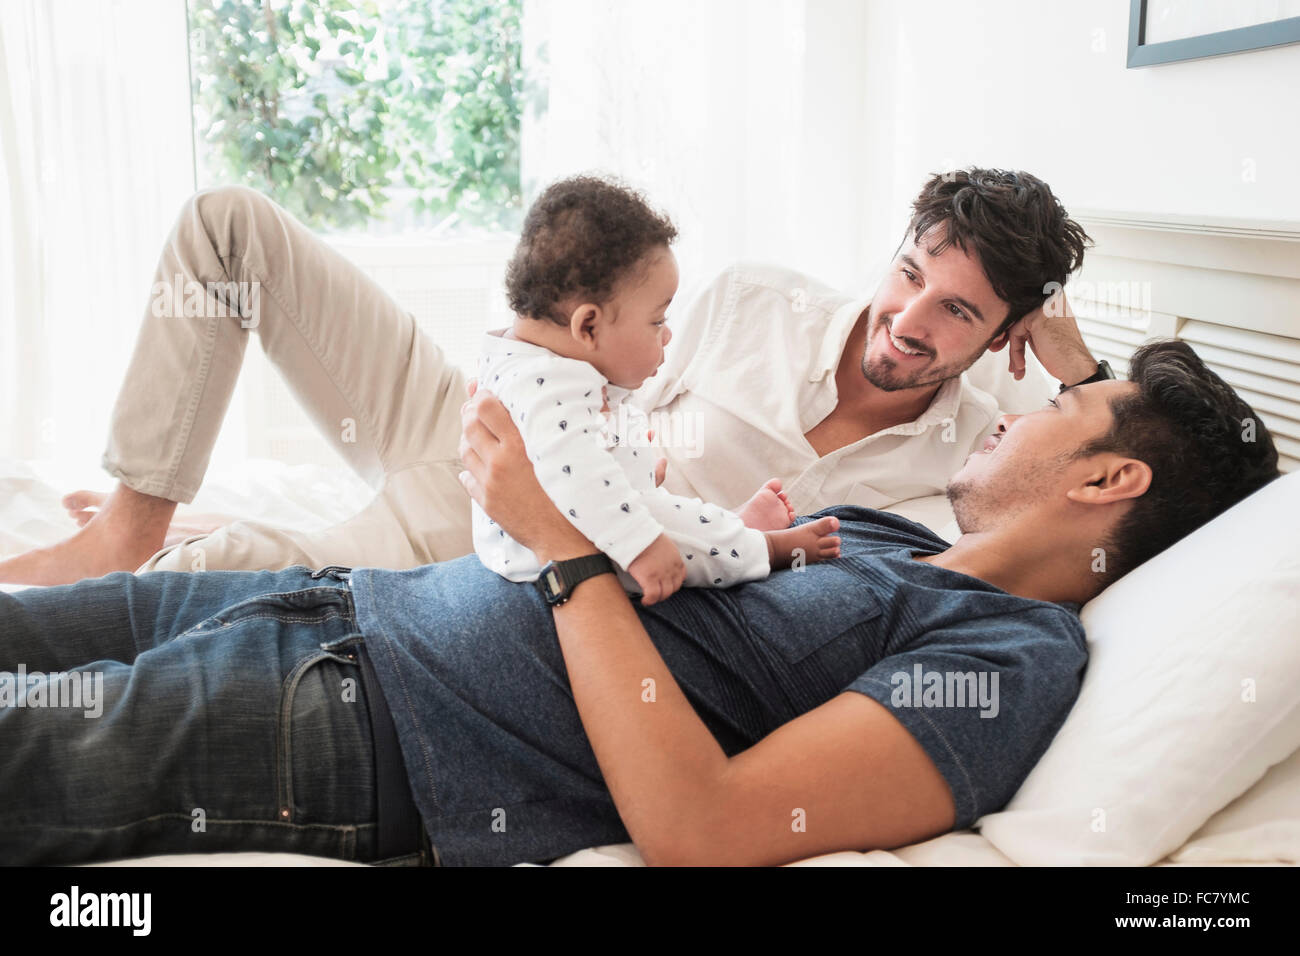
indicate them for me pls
(661, 464)
(659, 570)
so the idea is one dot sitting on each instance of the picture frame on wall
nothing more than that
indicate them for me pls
(1167, 31)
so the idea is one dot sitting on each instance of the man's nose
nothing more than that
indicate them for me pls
(908, 324)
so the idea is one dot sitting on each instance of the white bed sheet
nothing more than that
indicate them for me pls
(309, 496)
(960, 848)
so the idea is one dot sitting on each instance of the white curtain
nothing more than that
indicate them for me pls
(743, 119)
(95, 149)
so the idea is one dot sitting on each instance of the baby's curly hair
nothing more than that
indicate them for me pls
(582, 236)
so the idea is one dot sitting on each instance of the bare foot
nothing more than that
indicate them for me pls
(810, 543)
(124, 533)
(83, 505)
(768, 510)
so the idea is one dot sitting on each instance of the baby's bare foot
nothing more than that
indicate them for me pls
(127, 530)
(807, 543)
(768, 510)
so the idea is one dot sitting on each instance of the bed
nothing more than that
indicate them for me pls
(1260, 826)
(1184, 745)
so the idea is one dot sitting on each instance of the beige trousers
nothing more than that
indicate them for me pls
(382, 393)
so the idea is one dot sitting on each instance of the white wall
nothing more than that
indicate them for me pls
(741, 118)
(1041, 85)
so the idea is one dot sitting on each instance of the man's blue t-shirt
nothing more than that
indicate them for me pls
(501, 769)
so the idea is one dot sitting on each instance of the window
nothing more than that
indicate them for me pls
(383, 117)
(392, 129)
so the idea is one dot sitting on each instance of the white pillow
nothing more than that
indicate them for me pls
(1261, 826)
(1164, 732)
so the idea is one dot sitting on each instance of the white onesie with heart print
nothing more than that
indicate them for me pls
(570, 417)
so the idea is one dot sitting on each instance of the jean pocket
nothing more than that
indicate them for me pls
(323, 759)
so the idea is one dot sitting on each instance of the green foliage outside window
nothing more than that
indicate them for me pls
(337, 110)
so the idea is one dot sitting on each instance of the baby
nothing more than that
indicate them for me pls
(589, 283)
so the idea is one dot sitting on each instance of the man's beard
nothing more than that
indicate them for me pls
(965, 499)
(985, 501)
(884, 372)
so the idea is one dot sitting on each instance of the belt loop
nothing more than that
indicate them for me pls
(338, 572)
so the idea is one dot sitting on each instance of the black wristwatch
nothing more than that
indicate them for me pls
(1102, 374)
(559, 578)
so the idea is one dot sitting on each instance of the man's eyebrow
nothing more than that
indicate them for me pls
(968, 306)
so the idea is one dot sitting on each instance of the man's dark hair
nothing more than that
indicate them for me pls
(1207, 450)
(581, 237)
(1011, 223)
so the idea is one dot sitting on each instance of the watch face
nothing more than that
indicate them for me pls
(553, 583)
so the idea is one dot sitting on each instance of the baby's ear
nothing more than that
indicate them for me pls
(582, 324)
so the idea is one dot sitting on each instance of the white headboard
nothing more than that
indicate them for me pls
(1229, 288)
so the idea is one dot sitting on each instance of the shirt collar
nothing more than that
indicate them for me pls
(837, 334)
(617, 394)
(943, 407)
(497, 344)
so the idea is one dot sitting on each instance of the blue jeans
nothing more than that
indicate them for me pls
(230, 714)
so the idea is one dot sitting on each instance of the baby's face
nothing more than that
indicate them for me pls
(631, 337)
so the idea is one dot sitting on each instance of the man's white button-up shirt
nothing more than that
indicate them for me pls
(751, 369)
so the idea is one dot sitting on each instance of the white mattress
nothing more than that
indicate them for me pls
(310, 496)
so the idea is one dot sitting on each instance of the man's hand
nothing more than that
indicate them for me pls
(1052, 332)
(499, 476)
(659, 569)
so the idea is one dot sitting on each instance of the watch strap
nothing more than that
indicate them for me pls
(1102, 374)
(559, 578)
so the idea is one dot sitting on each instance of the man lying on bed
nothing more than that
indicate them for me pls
(769, 375)
(815, 710)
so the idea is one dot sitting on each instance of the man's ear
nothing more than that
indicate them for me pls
(582, 324)
(1114, 478)
(998, 342)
